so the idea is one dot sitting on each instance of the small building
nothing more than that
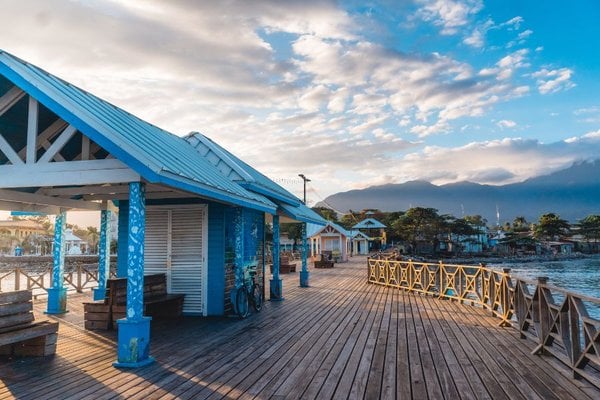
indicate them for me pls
(375, 231)
(20, 229)
(360, 243)
(331, 237)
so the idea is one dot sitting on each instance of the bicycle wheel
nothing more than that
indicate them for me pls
(257, 297)
(241, 302)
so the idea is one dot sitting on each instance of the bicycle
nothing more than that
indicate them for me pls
(250, 293)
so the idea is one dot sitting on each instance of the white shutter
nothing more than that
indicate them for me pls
(156, 243)
(187, 264)
(175, 245)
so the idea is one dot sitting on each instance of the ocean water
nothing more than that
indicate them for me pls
(580, 276)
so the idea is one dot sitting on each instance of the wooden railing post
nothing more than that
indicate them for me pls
(17, 279)
(541, 311)
(79, 286)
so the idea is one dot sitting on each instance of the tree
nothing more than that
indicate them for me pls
(590, 229)
(93, 237)
(293, 230)
(326, 213)
(420, 224)
(551, 226)
(520, 224)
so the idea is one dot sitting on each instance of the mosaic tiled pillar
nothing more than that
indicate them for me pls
(276, 283)
(103, 255)
(304, 274)
(238, 235)
(134, 330)
(57, 294)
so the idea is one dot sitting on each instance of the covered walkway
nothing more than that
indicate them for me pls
(340, 338)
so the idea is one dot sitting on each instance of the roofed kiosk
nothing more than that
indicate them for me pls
(187, 207)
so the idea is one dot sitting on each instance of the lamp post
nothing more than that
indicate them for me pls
(305, 179)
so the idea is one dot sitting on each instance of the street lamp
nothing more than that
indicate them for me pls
(305, 179)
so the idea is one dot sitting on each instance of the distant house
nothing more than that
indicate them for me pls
(20, 229)
(74, 245)
(331, 237)
(375, 231)
(360, 243)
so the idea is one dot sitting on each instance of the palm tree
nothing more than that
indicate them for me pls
(93, 236)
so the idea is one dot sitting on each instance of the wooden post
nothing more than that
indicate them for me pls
(540, 316)
(304, 274)
(134, 330)
(276, 283)
(57, 294)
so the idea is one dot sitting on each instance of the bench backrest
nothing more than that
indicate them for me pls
(16, 310)
(116, 293)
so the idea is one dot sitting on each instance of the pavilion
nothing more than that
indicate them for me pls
(186, 205)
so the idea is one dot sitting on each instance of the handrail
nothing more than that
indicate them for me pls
(80, 278)
(557, 320)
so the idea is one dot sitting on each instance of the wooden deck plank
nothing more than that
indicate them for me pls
(339, 338)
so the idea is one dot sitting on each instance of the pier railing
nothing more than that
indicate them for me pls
(80, 278)
(558, 320)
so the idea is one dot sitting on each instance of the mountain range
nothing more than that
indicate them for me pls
(573, 193)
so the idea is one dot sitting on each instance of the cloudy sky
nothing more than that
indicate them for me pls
(351, 93)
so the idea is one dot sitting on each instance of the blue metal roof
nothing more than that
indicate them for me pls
(252, 180)
(312, 229)
(157, 155)
(369, 223)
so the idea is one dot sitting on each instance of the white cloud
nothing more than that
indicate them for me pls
(514, 23)
(477, 37)
(449, 15)
(497, 161)
(555, 80)
(506, 123)
(525, 34)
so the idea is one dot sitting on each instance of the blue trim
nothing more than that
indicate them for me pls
(256, 187)
(304, 274)
(103, 255)
(122, 239)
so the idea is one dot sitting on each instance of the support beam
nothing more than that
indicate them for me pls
(13, 206)
(304, 274)
(68, 173)
(276, 283)
(99, 189)
(58, 144)
(85, 148)
(103, 255)
(57, 294)
(134, 330)
(47, 134)
(9, 152)
(32, 130)
(33, 198)
(10, 98)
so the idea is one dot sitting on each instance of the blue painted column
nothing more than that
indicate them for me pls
(134, 330)
(276, 283)
(304, 274)
(57, 294)
(103, 255)
(238, 234)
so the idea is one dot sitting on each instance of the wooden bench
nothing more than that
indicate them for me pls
(326, 260)
(20, 335)
(157, 302)
(285, 266)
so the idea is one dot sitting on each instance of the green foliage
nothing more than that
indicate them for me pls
(551, 226)
(326, 213)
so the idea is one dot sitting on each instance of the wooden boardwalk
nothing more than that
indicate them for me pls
(341, 338)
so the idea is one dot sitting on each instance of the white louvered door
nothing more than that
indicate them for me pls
(176, 245)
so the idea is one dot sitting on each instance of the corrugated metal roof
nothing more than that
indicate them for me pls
(238, 171)
(369, 223)
(312, 229)
(157, 155)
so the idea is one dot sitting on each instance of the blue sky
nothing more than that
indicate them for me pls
(351, 94)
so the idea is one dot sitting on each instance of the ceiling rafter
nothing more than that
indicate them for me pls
(10, 98)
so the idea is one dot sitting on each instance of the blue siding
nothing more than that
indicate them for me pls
(122, 239)
(216, 259)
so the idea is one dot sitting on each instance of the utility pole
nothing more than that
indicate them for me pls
(305, 179)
